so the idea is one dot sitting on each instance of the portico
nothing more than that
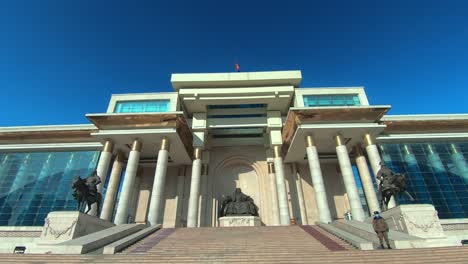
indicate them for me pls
(176, 167)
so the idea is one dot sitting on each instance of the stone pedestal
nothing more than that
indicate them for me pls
(63, 226)
(230, 221)
(419, 220)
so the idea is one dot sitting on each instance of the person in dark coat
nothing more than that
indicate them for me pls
(381, 228)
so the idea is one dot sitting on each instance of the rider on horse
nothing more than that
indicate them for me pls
(92, 182)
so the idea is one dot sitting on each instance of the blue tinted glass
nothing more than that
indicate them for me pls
(142, 106)
(437, 173)
(331, 100)
(33, 184)
(237, 106)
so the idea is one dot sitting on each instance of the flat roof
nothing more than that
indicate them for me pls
(235, 79)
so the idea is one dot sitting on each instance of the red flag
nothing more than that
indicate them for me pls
(237, 67)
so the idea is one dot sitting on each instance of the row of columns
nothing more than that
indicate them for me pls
(280, 212)
(157, 193)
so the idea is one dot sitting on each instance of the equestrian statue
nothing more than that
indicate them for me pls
(85, 192)
(390, 185)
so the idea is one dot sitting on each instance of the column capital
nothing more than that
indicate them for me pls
(309, 141)
(368, 140)
(197, 153)
(136, 145)
(165, 144)
(358, 150)
(120, 157)
(277, 151)
(108, 146)
(339, 140)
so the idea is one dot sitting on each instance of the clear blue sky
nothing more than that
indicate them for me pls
(62, 59)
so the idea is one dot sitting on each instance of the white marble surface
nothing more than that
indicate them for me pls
(231, 221)
(63, 226)
(419, 220)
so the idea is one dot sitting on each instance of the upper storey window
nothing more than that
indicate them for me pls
(142, 106)
(331, 100)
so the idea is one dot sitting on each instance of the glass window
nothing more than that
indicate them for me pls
(331, 100)
(33, 184)
(142, 106)
(437, 173)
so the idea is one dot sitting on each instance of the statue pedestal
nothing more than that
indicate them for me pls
(63, 226)
(419, 220)
(231, 221)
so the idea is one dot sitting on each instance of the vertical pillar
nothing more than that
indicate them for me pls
(274, 195)
(157, 194)
(202, 198)
(366, 181)
(348, 179)
(121, 216)
(281, 187)
(300, 194)
(375, 161)
(102, 168)
(192, 215)
(180, 195)
(459, 161)
(112, 187)
(317, 181)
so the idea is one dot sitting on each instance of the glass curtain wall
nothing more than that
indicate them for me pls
(33, 184)
(437, 173)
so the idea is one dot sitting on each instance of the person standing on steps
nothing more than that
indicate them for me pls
(381, 228)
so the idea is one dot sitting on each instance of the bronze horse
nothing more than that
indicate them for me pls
(391, 184)
(85, 192)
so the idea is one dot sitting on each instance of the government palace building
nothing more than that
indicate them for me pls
(306, 156)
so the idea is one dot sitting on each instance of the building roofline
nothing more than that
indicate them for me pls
(424, 117)
(48, 128)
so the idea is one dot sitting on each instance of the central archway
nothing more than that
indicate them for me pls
(237, 172)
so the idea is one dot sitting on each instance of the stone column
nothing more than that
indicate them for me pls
(348, 179)
(317, 181)
(300, 194)
(155, 214)
(180, 195)
(366, 181)
(102, 168)
(274, 195)
(459, 161)
(192, 215)
(112, 187)
(121, 216)
(375, 161)
(281, 187)
(203, 194)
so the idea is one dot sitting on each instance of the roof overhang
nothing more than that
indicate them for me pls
(407, 124)
(47, 134)
(325, 122)
(235, 79)
(150, 128)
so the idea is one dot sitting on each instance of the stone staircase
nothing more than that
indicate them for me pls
(293, 244)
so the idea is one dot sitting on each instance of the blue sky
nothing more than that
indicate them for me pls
(62, 59)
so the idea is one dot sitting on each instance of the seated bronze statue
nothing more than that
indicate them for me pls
(240, 205)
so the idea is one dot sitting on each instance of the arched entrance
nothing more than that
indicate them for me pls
(232, 173)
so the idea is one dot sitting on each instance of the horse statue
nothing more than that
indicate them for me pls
(85, 192)
(390, 185)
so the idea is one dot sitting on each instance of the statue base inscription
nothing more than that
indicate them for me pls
(63, 226)
(419, 220)
(231, 221)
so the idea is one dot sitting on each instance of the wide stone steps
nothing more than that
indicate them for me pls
(257, 245)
